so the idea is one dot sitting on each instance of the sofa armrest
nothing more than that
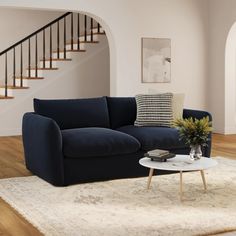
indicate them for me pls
(187, 113)
(196, 114)
(43, 148)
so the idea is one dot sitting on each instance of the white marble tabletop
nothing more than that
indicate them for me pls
(179, 163)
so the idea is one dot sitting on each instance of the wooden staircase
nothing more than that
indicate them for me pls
(58, 45)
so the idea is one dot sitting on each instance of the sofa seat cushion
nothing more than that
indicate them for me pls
(100, 142)
(154, 137)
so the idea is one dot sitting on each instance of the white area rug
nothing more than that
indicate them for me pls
(125, 207)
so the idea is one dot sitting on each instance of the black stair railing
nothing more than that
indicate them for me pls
(47, 44)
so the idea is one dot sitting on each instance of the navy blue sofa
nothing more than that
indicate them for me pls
(84, 140)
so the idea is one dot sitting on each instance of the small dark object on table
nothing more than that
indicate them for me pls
(163, 158)
(159, 155)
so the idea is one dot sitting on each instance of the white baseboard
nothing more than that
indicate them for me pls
(10, 132)
(230, 130)
(224, 130)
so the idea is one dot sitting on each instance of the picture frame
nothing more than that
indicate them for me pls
(156, 60)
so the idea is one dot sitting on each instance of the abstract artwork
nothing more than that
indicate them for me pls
(156, 60)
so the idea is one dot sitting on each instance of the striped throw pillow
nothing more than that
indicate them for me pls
(154, 110)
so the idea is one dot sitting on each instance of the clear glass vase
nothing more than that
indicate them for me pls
(195, 152)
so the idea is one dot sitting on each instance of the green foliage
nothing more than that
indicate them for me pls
(194, 131)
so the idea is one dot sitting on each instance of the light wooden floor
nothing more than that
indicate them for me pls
(224, 145)
(12, 165)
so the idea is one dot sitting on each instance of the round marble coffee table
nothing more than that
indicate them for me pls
(181, 164)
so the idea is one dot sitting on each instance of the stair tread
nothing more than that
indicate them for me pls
(40, 68)
(58, 59)
(14, 87)
(29, 78)
(89, 41)
(82, 41)
(94, 33)
(3, 97)
(69, 50)
(75, 50)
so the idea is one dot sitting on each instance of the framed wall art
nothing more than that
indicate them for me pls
(156, 60)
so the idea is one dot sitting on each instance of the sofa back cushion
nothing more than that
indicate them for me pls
(122, 111)
(75, 113)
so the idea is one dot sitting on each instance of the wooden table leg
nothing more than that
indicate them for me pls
(150, 177)
(181, 186)
(203, 179)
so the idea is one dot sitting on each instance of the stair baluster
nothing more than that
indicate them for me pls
(78, 32)
(50, 46)
(58, 39)
(91, 26)
(6, 75)
(14, 67)
(72, 32)
(65, 38)
(85, 28)
(36, 56)
(99, 28)
(29, 59)
(21, 65)
(44, 49)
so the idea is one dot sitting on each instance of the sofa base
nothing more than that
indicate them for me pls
(93, 169)
(84, 170)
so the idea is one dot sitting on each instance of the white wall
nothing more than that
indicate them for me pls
(222, 16)
(184, 21)
(16, 24)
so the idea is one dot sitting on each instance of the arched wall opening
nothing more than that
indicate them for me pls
(230, 82)
(112, 49)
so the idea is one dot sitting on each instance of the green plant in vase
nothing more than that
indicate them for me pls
(194, 132)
